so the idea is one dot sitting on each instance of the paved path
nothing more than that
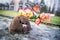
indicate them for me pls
(41, 32)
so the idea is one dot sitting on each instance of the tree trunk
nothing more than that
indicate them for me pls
(16, 5)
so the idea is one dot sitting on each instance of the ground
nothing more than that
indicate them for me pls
(41, 32)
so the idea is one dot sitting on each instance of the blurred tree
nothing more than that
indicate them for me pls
(53, 9)
(43, 6)
(57, 13)
(49, 11)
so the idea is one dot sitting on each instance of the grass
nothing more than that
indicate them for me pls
(9, 13)
(55, 20)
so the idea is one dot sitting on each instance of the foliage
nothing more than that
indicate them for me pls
(35, 16)
(42, 2)
(44, 9)
(43, 6)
